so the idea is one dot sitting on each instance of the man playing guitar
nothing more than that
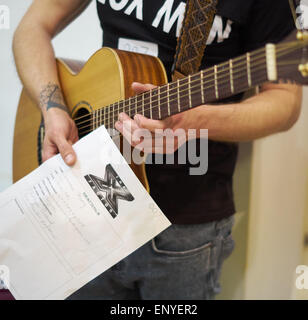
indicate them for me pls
(184, 262)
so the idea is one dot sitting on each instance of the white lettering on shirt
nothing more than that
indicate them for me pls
(217, 30)
(169, 21)
(138, 5)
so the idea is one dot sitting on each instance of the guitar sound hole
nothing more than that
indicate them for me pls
(83, 122)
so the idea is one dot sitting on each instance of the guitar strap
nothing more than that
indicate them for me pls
(293, 4)
(198, 20)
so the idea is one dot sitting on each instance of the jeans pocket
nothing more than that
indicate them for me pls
(180, 241)
(180, 253)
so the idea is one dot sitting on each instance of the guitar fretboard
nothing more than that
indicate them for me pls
(205, 87)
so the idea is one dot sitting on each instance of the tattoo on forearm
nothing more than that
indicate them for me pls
(51, 97)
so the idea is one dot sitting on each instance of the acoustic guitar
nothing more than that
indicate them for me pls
(98, 91)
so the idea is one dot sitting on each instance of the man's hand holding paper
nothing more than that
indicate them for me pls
(61, 227)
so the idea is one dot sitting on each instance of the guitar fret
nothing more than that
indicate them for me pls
(143, 104)
(105, 116)
(248, 70)
(136, 103)
(111, 115)
(189, 91)
(151, 115)
(105, 119)
(116, 113)
(216, 82)
(108, 117)
(231, 76)
(122, 108)
(112, 118)
(202, 87)
(129, 105)
(168, 99)
(179, 101)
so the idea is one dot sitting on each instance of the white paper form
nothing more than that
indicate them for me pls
(61, 227)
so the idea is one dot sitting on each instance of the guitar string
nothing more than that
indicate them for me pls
(153, 96)
(107, 119)
(108, 127)
(171, 92)
(98, 117)
(288, 47)
(111, 119)
(147, 99)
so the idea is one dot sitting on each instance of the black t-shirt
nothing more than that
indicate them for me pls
(152, 27)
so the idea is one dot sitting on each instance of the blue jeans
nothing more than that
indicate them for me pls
(182, 262)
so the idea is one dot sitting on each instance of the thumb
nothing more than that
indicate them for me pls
(140, 87)
(67, 152)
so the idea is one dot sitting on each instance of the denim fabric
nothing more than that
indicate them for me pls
(183, 262)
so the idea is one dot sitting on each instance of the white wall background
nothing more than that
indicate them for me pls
(268, 231)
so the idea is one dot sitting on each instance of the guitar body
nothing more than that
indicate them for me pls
(106, 78)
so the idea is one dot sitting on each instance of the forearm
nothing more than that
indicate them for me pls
(33, 51)
(273, 110)
(36, 65)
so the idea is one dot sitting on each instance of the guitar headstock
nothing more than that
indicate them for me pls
(292, 58)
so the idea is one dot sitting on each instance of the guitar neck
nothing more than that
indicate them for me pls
(205, 87)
